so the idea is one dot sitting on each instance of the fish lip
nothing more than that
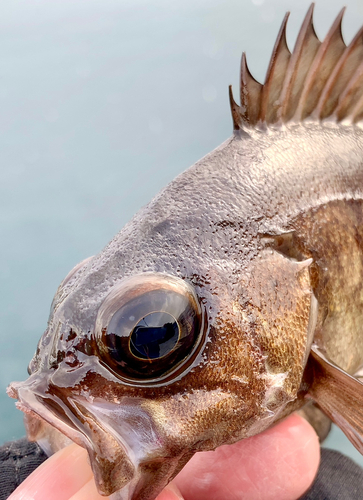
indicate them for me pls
(65, 415)
(117, 466)
(32, 402)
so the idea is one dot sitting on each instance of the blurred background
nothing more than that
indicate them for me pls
(102, 103)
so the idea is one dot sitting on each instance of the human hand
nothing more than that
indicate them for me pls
(279, 463)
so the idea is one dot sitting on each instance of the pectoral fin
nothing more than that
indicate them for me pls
(338, 394)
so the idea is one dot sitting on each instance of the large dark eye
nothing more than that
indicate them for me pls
(149, 327)
(154, 336)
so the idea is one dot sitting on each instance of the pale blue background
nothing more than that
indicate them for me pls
(101, 104)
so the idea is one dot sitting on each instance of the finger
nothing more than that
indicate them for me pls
(67, 475)
(279, 463)
(58, 478)
(88, 492)
(171, 492)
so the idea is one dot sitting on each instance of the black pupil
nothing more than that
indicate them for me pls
(154, 336)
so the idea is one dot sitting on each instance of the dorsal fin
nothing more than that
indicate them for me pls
(307, 45)
(271, 90)
(351, 95)
(316, 81)
(235, 110)
(340, 76)
(325, 60)
(357, 111)
(250, 94)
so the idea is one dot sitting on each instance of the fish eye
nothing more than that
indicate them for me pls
(149, 328)
(154, 336)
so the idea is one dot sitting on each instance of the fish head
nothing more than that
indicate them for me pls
(144, 369)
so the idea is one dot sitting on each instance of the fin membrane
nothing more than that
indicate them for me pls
(338, 394)
(318, 80)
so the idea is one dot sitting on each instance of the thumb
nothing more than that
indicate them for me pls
(65, 475)
(278, 463)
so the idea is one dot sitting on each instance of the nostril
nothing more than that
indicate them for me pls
(71, 359)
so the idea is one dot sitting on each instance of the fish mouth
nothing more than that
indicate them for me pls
(129, 458)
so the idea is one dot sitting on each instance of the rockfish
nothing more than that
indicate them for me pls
(232, 299)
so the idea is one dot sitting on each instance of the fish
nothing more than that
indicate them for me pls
(232, 299)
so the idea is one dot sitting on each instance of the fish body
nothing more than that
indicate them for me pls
(206, 319)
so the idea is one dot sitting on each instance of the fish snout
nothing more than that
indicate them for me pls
(130, 459)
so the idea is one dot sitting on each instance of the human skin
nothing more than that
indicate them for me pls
(278, 463)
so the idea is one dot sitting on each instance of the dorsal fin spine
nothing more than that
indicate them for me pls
(235, 111)
(305, 49)
(250, 91)
(351, 94)
(339, 77)
(271, 90)
(323, 64)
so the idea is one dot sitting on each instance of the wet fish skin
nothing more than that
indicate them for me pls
(267, 230)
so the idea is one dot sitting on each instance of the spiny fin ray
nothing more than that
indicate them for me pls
(316, 81)
(340, 76)
(235, 110)
(271, 90)
(351, 95)
(250, 93)
(306, 47)
(325, 60)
